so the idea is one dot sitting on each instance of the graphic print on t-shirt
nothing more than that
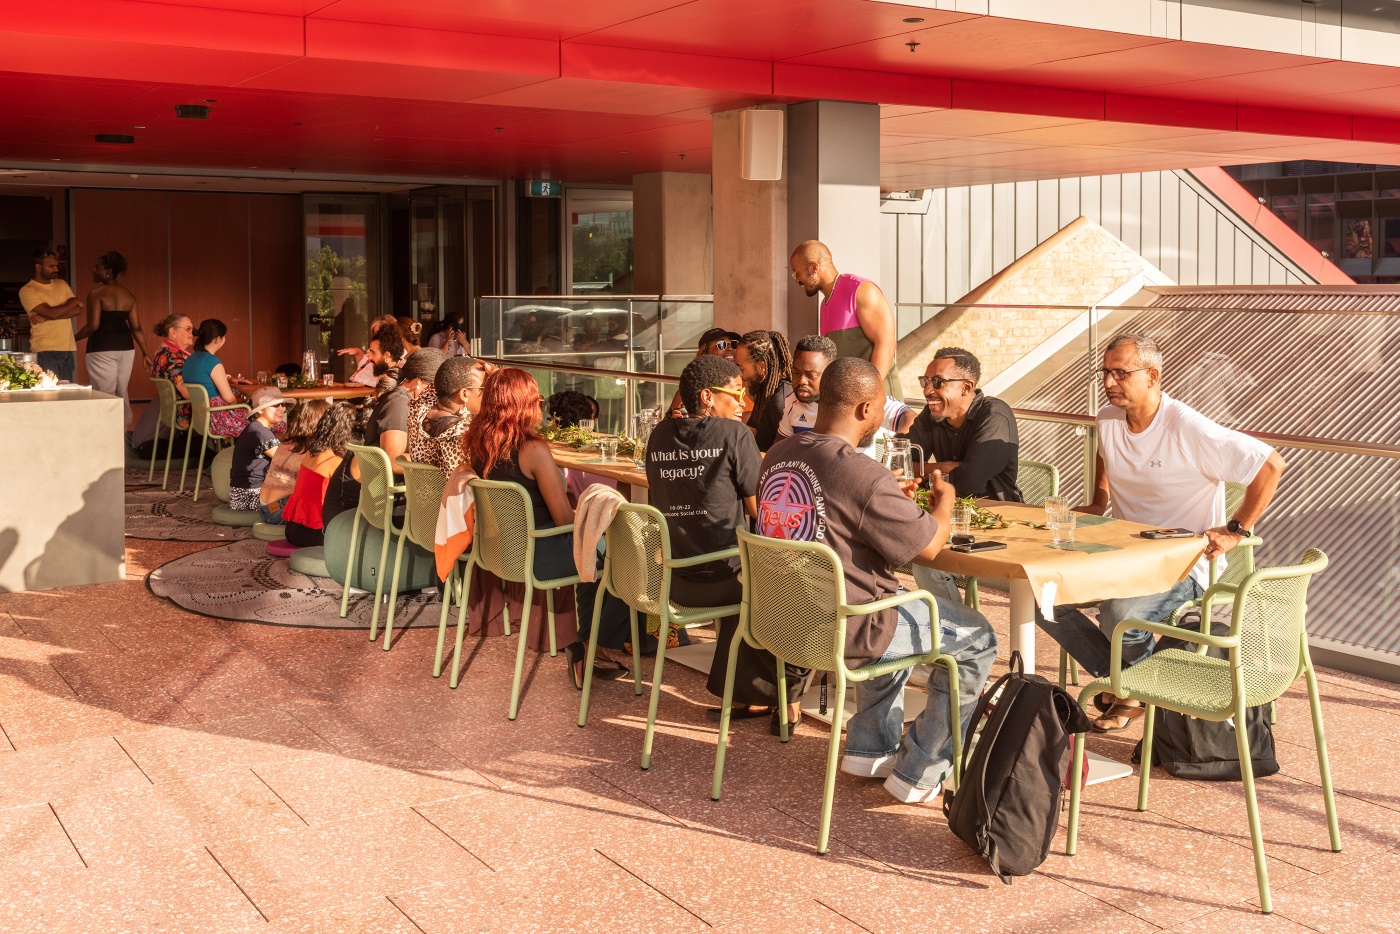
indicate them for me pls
(790, 504)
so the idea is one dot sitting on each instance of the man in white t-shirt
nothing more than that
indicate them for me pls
(1164, 464)
(809, 360)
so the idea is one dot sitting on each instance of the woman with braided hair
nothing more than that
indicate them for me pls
(765, 361)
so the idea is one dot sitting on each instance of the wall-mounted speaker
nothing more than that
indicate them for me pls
(761, 139)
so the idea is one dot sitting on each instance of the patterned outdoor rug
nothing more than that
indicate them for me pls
(171, 516)
(240, 582)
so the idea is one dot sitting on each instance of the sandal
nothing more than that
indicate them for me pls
(739, 713)
(1118, 717)
(575, 654)
(776, 729)
(605, 669)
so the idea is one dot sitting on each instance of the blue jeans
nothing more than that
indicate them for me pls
(925, 755)
(272, 515)
(1091, 645)
(64, 363)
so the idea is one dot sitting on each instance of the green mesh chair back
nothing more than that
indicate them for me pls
(504, 521)
(637, 548)
(423, 485)
(1037, 481)
(794, 592)
(1271, 619)
(166, 396)
(1234, 495)
(376, 485)
(199, 408)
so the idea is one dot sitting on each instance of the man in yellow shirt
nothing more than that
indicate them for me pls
(51, 304)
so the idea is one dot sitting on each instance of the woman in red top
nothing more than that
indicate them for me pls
(324, 451)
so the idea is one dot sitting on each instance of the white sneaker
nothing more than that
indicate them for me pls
(906, 793)
(867, 766)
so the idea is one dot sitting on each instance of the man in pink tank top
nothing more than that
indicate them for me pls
(854, 312)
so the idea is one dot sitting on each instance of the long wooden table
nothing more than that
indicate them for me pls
(1109, 558)
(338, 391)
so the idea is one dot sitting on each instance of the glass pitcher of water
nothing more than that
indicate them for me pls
(642, 424)
(913, 455)
(308, 366)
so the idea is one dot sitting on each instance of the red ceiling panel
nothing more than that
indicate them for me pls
(431, 48)
(542, 19)
(611, 96)
(821, 81)
(1166, 112)
(1293, 123)
(676, 69)
(156, 25)
(55, 97)
(897, 149)
(323, 76)
(954, 124)
(150, 62)
(771, 31)
(1143, 66)
(1049, 102)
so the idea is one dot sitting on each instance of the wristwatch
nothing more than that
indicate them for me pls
(1234, 528)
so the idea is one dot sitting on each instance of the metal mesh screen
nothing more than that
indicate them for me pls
(376, 477)
(1036, 481)
(424, 484)
(634, 559)
(199, 407)
(502, 542)
(165, 392)
(792, 597)
(1271, 632)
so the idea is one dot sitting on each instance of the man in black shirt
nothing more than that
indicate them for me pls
(765, 361)
(968, 436)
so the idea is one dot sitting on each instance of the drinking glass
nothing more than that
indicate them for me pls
(1054, 504)
(262, 377)
(962, 520)
(281, 381)
(1062, 526)
(328, 379)
(608, 448)
(587, 424)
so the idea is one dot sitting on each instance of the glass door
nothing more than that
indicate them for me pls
(599, 241)
(342, 272)
(453, 233)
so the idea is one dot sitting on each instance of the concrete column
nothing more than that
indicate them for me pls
(673, 239)
(750, 238)
(833, 182)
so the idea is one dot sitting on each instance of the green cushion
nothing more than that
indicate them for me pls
(417, 570)
(242, 519)
(219, 472)
(310, 561)
(264, 532)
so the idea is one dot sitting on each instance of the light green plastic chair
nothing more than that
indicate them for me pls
(637, 569)
(795, 607)
(1268, 650)
(167, 399)
(199, 424)
(504, 544)
(423, 485)
(376, 506)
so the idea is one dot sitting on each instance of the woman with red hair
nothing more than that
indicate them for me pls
(503, 444)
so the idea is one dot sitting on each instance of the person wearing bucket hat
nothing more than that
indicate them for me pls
(252, 453)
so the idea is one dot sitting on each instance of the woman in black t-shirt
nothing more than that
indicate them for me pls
(702, 473)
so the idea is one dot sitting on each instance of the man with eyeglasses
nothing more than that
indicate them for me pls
(1160, 463)
(968, 436)
(854, 312)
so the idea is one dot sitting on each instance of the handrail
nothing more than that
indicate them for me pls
(1156, 308)
(519, 363)
(1363, 448)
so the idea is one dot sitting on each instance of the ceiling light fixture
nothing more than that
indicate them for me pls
(118, 139)
(913, 19)
(211, 100)
(913, 45)
(192, 111)
(141, 127)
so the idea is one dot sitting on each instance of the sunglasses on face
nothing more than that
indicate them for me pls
(938, 382)
(736, 393)
(724, 344)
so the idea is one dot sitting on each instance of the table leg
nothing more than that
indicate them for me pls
(1023, 622)
(638, 494)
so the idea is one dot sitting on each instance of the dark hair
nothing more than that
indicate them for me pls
(289, 370)
(163, 326)
(771, 349)
(390, 340)
(302, 425)
(848, 381)
(963, 360)
(113, 262)
(333, 430)
(817, 343)
(210, 330)
(569, 407)
(410, 330)
(510, 412)
(44, 253)
(702, 373)
(454, 375)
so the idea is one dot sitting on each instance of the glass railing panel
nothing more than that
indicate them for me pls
(683, 320)
(1064, 446)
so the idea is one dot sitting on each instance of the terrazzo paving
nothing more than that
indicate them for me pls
(162, 771)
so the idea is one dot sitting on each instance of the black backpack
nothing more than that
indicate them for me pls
(1007, 806)
(1206, 749)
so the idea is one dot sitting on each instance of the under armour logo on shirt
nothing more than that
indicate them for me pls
(1155, 463)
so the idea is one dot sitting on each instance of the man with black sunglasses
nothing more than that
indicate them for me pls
(968, 436)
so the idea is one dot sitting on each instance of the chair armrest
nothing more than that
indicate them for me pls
(230, 408)
(703, 559)
(1115, 664)
(557, 530)
(899, 599)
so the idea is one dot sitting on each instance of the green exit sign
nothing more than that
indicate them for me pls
(546, 189)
